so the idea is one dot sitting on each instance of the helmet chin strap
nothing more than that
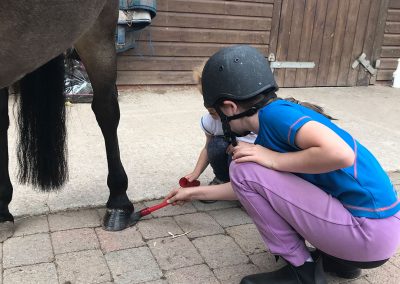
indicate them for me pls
(229, 135)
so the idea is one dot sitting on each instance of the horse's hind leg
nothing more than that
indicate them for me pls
(97, 51)
(6, 189)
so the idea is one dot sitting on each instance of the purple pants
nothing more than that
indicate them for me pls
(288, 210)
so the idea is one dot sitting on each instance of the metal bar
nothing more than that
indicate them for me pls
(291, 64)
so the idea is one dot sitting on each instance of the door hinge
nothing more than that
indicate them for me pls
(362, 59)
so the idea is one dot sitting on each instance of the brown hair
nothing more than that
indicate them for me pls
(246, 104)
(314, 107)
(197, 72)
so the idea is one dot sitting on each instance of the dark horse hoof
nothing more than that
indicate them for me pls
(117, 219)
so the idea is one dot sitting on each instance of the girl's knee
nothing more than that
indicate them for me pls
(249, 171)
(236, 170)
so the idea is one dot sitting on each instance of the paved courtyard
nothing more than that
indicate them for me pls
(58, 236)
(160, 139)
(189, 244)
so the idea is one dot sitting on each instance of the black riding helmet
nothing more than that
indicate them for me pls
(237, 73)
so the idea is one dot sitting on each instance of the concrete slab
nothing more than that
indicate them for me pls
(160, 139)
(161, 281)
(74, 240)
(113, 241)
(42, 273)
(395, 260)
(174, 253)
(361, 280)
(201, 206)
(248, 238)
(20, 251)
(230, 217)
(386, 273)
(199, 225)
(233, 274)
(29, 226)
(130, 259)
(82, 267)
(158, 228)
(266, 261)
(135, 265)
(73, 220)
(220, 251)
(198, 274)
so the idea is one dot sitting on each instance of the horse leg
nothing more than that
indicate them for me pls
(97, 51)
(6, 189)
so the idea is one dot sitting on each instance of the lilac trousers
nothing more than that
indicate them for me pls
(288, 210)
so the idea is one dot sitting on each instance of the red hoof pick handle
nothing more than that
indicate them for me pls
(135, 217)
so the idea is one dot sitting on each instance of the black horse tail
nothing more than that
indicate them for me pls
(42, 148)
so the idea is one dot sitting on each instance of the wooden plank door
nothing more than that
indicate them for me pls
(330, 33)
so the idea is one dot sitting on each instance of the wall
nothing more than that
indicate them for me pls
(391, 44)
(185, 33)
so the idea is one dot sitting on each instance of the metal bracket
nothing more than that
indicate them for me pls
(292, 64)
(288, 64)
(364, 62)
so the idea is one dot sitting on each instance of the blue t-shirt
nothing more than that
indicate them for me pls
(364, 188)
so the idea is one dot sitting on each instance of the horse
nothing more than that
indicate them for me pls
(33, 37)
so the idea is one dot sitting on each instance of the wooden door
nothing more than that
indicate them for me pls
(330, 33)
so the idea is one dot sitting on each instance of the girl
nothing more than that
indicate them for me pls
(303, 179)
(214, 152)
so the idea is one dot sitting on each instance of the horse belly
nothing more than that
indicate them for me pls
(33, 32)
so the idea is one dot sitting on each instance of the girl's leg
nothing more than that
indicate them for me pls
(287, 209)
(218, 157)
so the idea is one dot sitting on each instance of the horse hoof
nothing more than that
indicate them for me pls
(6, 230)
(117, 219)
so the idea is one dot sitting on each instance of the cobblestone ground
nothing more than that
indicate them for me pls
(218, 244)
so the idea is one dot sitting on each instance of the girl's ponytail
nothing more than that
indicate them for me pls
(314, 107)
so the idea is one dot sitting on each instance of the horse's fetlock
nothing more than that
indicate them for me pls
(119, 201)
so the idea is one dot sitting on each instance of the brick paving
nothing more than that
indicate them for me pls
(222, 246)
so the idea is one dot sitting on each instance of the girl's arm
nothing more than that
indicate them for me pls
(322, 151)
(211, 192)
(202, 162)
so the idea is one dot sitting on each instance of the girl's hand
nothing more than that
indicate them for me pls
(247, 152)
(192, 176)
(178, 196)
